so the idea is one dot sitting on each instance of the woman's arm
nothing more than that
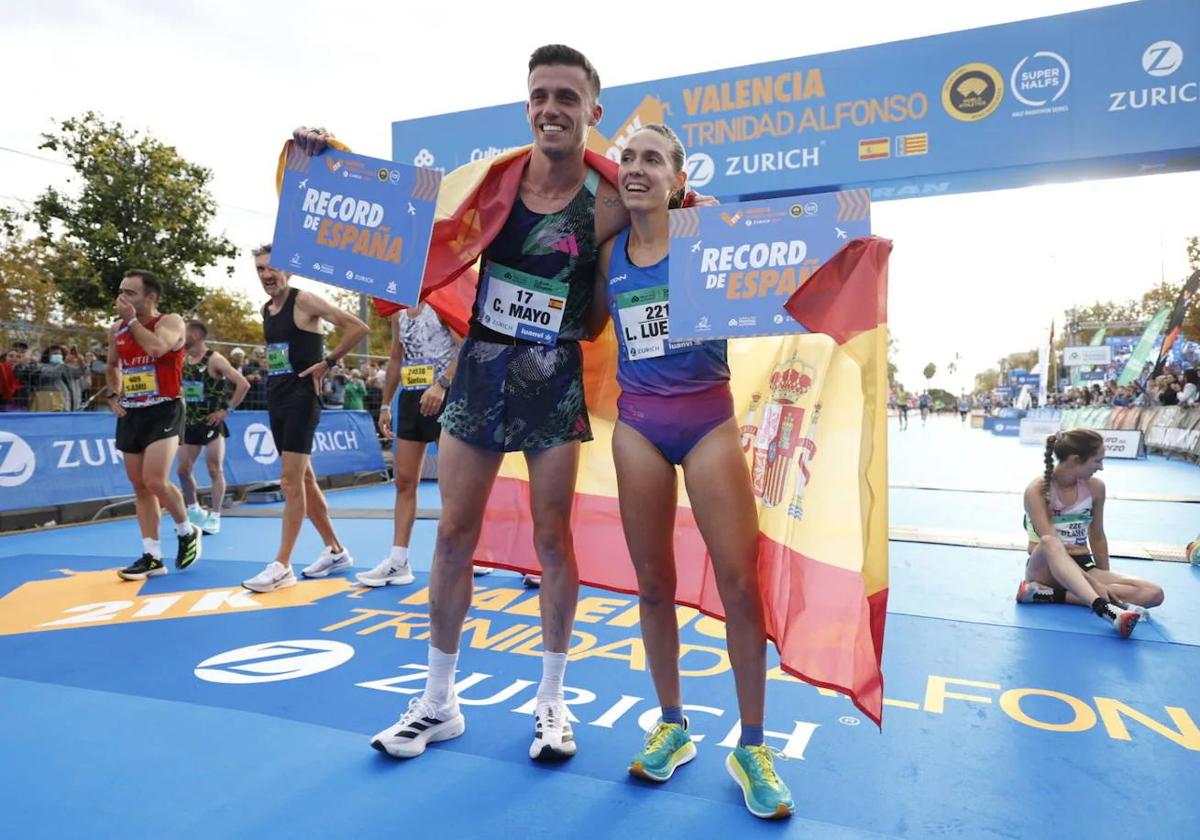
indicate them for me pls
(1097, 541)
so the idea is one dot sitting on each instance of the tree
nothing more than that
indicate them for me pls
(987, 380)
(230, 316)
(893, 349)
(27, 292)
(379, 337)
(139, 205)
(928, 372)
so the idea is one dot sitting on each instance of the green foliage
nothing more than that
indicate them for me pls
(987, 380)
(929, 371)
(138, 205)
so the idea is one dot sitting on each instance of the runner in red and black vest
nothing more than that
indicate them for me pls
(145, 376)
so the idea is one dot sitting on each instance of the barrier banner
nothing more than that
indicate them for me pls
(355, 222)
(1034, 430)
(733, 266)
(59, 458)
(1123, 443)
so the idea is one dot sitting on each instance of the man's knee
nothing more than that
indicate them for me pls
(1152, 595)
(552, 539)
(155, 484)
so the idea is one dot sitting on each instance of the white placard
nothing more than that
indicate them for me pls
(1123, 443)
(1086, 355)
(1036, 431)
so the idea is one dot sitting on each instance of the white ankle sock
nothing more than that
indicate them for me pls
(399, 554)
(152, 547)
(183, 528)
(439, 685)
(194, 506)
(554, 665)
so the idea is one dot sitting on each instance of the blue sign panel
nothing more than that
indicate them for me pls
(50, 459)
(1094, 375)
(356, 222)
(1098, 92)
(1033, 380)
(734, 266)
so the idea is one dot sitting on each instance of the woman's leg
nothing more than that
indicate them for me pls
(718, 485)
(648, 497)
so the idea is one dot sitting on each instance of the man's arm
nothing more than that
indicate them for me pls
(220, 366)
(166, 336)
(354, 330)
(597, 314)
(112, 371)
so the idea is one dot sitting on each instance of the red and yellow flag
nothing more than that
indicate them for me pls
(814, 434)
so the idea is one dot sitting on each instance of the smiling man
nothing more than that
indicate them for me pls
(519, 388)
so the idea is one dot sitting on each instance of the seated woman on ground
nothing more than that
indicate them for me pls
(1068, 552)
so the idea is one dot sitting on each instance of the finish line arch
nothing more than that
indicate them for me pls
(1103, 93)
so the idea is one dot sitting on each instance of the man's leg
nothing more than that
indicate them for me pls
(552, 487)
(214, 459)
(317, 510)
(466, 474)
(292, 482)
(145, 502)
(156, 467)
(406, 468)
(184, 466)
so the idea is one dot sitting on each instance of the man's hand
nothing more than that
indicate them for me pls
(432, 399)
(311, 141)
(125, 310)
(115, 406)
(695, 199)
(385, 422)
(217, 417)
(317, 372)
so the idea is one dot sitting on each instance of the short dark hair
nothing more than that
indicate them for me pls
(150, 282)
(199, 325)
(570, 57)
(20, 345)
(265, 248)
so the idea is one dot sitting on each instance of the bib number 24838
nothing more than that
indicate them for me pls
(523, 305)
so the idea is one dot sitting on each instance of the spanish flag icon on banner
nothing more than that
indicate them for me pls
(814, 435)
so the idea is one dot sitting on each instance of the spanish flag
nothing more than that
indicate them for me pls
(814, 434)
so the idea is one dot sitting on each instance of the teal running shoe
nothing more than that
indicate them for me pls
(668, 745)
(766, 796)
(211, 524)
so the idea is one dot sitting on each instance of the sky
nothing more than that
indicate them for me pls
(226, 82)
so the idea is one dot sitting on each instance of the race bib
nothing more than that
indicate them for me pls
(523, 305)
(643, 317)
(193, 390)
(140, 382)
(277, 359)
(416, 375)
(1072, 529)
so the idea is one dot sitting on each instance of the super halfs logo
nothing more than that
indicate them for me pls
(775, 436)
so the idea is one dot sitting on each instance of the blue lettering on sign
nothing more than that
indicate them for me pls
(6, 447)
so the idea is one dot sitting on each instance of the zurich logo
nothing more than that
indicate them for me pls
(260, 444)
(1162, 58)
(17, 461)
(274, 661)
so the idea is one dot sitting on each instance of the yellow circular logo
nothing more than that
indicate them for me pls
(972, 92)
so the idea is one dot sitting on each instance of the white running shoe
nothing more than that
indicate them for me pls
(1122, 619)
(552, 735)
(420, 724)
(532, 581)
(388, 571)
(328, 563)
(480, 571)
(211, 524)
(275, 576)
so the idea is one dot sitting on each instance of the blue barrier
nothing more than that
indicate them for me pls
(52, 459)
(1004, 426)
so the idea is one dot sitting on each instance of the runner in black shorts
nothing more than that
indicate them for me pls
(422, 364)
(296, 364)
(144, 373)
(207, 404)
(902, 404)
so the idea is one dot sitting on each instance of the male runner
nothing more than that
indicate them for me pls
(422, 364)
(144, 373)
(296, 364)
(206, 405)
(518, 390)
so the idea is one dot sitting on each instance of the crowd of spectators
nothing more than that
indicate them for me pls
(60, 378)
(1172, 387)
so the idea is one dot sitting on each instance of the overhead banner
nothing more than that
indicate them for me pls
(356, 222)
(734, 266)
(1095, 93)
(60, 458)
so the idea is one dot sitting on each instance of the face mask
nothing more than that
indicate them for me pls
(56, 359)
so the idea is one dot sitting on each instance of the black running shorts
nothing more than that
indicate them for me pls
(410, 424)
(203, 434)
(141, 427)
(294, 422)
